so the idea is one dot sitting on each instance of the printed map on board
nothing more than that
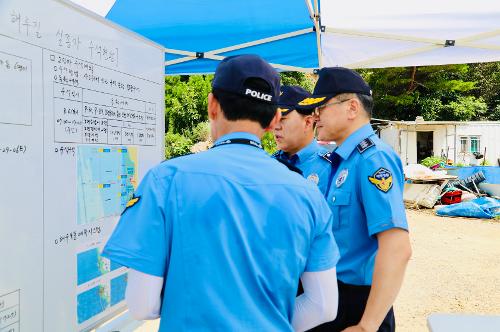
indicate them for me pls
(106, 180)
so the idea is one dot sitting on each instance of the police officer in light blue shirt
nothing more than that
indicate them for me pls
(365, 193)
(294, 136)
(217, 241)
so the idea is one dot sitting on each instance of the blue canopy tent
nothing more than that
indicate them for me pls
(197, 34)
(304, 35)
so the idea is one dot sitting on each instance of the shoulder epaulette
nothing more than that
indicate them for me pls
(326, 156)
(365, 145)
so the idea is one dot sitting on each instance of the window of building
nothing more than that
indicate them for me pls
(469, 144)
(463, 144)
(475, 144)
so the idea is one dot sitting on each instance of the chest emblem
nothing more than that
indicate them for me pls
(382, 179)
(342, 177)
(314, 178)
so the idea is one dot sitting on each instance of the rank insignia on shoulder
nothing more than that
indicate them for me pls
(382, 179)
(326, 156)
(365, 145)
(133, 201)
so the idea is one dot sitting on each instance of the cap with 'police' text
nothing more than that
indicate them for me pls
(332, 82)
(233, 72)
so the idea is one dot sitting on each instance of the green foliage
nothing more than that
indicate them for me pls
(186, 101)
(494, 115)
(176, 145)
(466, 108)
(199, 133)
(487, 76)
(434, 92)
(306, 81)
(269, 143)
(485, 163)
(430, 161)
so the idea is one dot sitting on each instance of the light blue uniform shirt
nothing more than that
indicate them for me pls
(313, 161)
(366, 197)
(230, 230)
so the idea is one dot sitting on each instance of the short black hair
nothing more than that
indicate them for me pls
(367, 102)
(238, 107)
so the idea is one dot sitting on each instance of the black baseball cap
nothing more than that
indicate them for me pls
(289, 97)
(332, 82)
(233, 72)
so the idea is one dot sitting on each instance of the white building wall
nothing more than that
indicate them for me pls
(490, 138)
(390, 135)
(446, 139)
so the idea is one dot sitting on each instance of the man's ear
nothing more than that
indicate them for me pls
(309, 121)
(274, 122)
(213, 107)
(354, 109)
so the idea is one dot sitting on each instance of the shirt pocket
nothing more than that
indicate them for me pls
(340, 203)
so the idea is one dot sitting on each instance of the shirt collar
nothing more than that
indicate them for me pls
(353, 140)
(238, 134)
(308, 150)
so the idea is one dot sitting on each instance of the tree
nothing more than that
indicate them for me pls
(435, 92)
(186, 102)
(306, 81)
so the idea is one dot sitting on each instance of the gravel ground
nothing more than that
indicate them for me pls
(455, 268)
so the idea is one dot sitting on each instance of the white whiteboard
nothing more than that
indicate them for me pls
(81, 121)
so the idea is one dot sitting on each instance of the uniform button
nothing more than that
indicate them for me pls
(333, 199)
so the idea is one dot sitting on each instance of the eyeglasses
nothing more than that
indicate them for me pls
(318, 109)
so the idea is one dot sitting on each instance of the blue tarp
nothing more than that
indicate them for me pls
(483, 207)
(491, 173)
(202, 26)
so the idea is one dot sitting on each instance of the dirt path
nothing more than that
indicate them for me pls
(455, 268)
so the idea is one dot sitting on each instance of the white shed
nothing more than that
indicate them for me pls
(454, 140)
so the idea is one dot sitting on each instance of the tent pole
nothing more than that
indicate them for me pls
(316, 18)
(214, 54)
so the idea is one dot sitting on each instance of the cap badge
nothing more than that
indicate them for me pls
(342, 177)
(314, 178)
(310, 101)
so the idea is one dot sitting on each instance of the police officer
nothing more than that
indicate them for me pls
(216, 241)
(295, 138)
(365, 194)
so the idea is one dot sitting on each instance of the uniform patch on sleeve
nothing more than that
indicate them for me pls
(365, 145)
(133, 201)
(382, 179)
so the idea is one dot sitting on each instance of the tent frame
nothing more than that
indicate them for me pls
(433, 44)
(315, 16)
(216, 54)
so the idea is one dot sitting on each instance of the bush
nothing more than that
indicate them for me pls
(199, 133)
(269, 143)
(176, 145)
(430, 161)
